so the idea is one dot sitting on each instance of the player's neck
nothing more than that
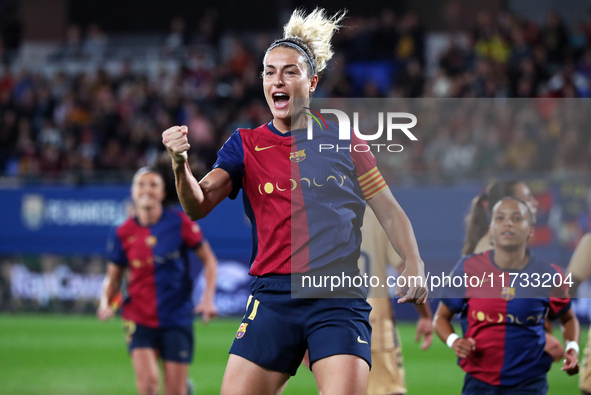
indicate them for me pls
(284, 126)
(511, 259)
(149, 216)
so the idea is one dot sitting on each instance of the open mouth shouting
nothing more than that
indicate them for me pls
(280, 100)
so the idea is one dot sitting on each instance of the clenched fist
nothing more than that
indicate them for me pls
(176, 142)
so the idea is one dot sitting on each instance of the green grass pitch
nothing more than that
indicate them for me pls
(78, 355)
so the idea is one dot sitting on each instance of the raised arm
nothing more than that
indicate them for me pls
(210, 266)
(400, 233)
(197, 198)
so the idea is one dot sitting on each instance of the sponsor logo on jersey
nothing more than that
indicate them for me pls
(269, 187)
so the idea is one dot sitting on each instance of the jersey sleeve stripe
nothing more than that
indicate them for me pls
(370, 173)
(370, 180)
(375, 181)
(372, 183)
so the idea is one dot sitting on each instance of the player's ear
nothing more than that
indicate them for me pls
(313, 83)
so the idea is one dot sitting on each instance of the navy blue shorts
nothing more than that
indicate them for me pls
(276, 330)
(533, 386)
(173, 344)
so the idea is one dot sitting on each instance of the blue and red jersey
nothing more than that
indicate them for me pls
(305, 206)
(160, 283)
(507, 322)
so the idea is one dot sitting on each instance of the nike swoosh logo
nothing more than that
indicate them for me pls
(361, 341)
(256, 148)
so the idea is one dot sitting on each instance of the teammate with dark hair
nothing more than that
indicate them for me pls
(478, 219)
(502, 347)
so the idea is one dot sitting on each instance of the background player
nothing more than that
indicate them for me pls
(478, 239)
(580, 268)
(277, 329)
(387, 372)
(153, 248)
(502, 348)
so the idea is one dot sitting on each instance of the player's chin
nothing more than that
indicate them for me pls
(282, 114)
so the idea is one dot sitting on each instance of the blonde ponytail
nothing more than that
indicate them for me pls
(311, 34)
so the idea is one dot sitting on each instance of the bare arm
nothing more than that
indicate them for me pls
(443, 327)
(570, 332)
(197, 198)
(553, 345)
(580, 263)
(210, 266)
(400, 233)
(111, 287)
(424, 326)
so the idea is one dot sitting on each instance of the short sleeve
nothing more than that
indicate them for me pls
(190, 231)
(369, 177)
(454, 297)
(560, 301)
(231, 159)
(455, 305)
(115, 252)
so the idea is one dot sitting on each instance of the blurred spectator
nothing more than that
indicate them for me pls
(411, 39)
(555, 39)
(71, 48)
(86, 121)
(178, 37)
(12, 34)
(94, 46)
(411, 80)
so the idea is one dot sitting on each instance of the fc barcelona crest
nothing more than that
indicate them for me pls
(151, 241)
(297, 156)
(241, 330)
(508, 293)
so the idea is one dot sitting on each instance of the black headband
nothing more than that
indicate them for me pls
(289, 43)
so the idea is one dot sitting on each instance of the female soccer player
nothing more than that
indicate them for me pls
(387, 372)
(502, 350)
(478, 239)
(580, 269)
(478, 219)
(153, 247)
(306, 209)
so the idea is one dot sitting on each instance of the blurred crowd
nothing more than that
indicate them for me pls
(87, 125)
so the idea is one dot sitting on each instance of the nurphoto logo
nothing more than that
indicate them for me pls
(392, 121)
